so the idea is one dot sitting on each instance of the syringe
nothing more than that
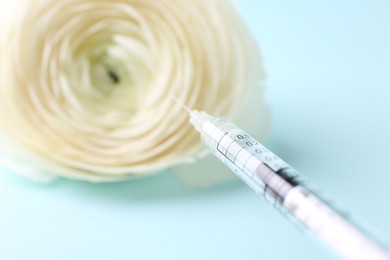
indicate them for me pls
(283, 186)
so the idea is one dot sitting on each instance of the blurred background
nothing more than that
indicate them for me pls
(329, 87)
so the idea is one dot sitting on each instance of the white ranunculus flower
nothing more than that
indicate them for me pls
(85, 85)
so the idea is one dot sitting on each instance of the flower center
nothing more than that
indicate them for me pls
(108, 74)
(114, 77)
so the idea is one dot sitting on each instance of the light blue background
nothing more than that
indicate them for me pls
(329, 86)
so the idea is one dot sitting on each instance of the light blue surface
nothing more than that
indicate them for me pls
(328, 82)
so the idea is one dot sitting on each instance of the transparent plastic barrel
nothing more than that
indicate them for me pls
(287, 190)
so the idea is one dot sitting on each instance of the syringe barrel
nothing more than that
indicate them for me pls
(270, 176)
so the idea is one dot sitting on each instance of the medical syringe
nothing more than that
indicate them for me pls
(283, 186)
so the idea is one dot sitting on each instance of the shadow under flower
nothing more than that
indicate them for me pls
(162, 187)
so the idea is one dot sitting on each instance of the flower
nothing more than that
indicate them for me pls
(85, 85)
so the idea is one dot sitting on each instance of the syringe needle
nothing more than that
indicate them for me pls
(197, 118)
(180, 103)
